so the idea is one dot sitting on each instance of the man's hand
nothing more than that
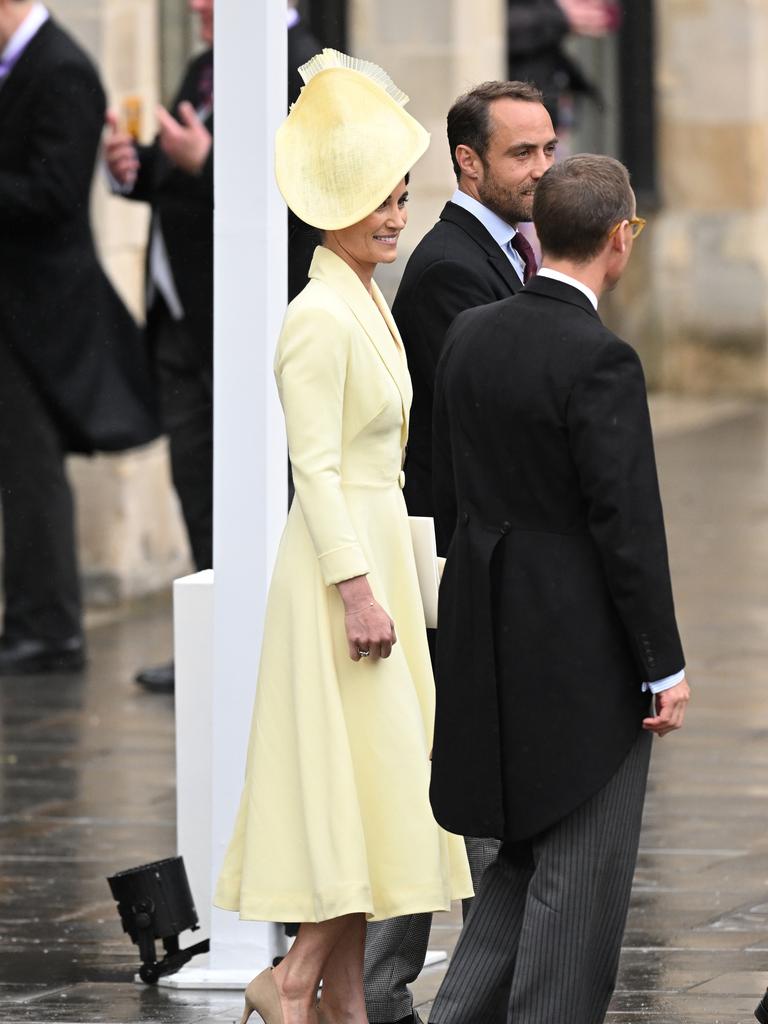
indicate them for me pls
(670, 709)
(120, 152)
(186, 142)
(587, 17)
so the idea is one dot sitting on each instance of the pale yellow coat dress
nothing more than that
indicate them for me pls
(335, 815)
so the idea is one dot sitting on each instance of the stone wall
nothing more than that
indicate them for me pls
(697, 295)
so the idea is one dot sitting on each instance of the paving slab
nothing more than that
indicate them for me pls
(87, 783)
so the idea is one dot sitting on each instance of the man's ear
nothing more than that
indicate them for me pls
(468, 161)
(619, 239)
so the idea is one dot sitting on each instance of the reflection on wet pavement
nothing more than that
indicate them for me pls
(87, 773)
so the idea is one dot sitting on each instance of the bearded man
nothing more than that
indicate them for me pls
(502, 141)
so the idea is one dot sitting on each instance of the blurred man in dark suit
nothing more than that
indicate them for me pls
(175, 176)
(73, 372)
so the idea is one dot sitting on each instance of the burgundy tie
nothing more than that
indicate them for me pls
(521, 245)
(205, 87)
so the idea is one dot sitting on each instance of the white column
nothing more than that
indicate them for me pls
(250, 460)
(250, 490)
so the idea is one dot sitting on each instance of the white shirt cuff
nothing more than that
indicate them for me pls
(115, 187)
(659, 685)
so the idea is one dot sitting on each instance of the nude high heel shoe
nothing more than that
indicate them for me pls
(262, 997)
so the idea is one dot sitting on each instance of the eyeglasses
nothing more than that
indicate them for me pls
(636, 224)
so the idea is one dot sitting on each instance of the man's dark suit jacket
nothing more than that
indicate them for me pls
(184, 204)
(58, 312)
(456, 266)
(556, 603)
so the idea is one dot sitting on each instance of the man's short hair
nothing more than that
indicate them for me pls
(469, 119)
(576, 204)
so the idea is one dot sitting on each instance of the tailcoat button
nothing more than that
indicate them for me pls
(465, 518)
(506, 527)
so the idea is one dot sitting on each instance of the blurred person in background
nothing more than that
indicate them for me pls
(175, 176)
(536, 32)
(73, 372)
(472, 256)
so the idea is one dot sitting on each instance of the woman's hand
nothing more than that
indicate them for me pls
(370, 631)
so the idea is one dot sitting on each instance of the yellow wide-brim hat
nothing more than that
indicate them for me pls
(346, 142)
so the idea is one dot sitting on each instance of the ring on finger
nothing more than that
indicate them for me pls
(363, 654)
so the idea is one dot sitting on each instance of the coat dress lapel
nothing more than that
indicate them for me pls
(374, 317)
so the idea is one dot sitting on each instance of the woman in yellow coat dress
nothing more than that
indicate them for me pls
(334, 824)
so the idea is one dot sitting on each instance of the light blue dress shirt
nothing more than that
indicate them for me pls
(501, 232)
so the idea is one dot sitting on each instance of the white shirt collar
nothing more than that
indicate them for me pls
(567, 279)
(501, 232)
(293, 17)
(37, 16)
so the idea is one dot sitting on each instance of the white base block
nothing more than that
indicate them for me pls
(236, 980)
(208, 978)
(435, 956)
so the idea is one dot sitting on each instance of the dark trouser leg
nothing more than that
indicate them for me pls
(577, 903)
(547, 924)
(40, 574)
(481, 853)
(394, 957)
(395, 949)
(475, 989)
(186, 395)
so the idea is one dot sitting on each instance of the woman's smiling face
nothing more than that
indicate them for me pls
(374, 239)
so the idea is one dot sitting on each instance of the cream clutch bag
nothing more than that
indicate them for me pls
(429, 568)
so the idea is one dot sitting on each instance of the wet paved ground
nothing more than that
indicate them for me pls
(86, 783)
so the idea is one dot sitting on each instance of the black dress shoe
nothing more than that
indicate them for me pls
(27, 656)
(159, 679)
(762, 1010)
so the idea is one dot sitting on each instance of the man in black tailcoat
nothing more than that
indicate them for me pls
(556, 615)
(73, 372)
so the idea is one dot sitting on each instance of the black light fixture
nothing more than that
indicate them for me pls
(155, 902)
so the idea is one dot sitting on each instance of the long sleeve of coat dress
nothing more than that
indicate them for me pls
(311, 371)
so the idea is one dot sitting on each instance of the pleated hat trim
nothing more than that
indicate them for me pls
(336, 59)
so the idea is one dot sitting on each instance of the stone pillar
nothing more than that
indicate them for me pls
(709, 248)
(131, 539)
(434, 50)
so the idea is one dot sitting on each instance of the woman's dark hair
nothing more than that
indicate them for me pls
(469, 119)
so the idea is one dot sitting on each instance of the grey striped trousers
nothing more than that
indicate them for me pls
(395, 949)
(541, 943)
